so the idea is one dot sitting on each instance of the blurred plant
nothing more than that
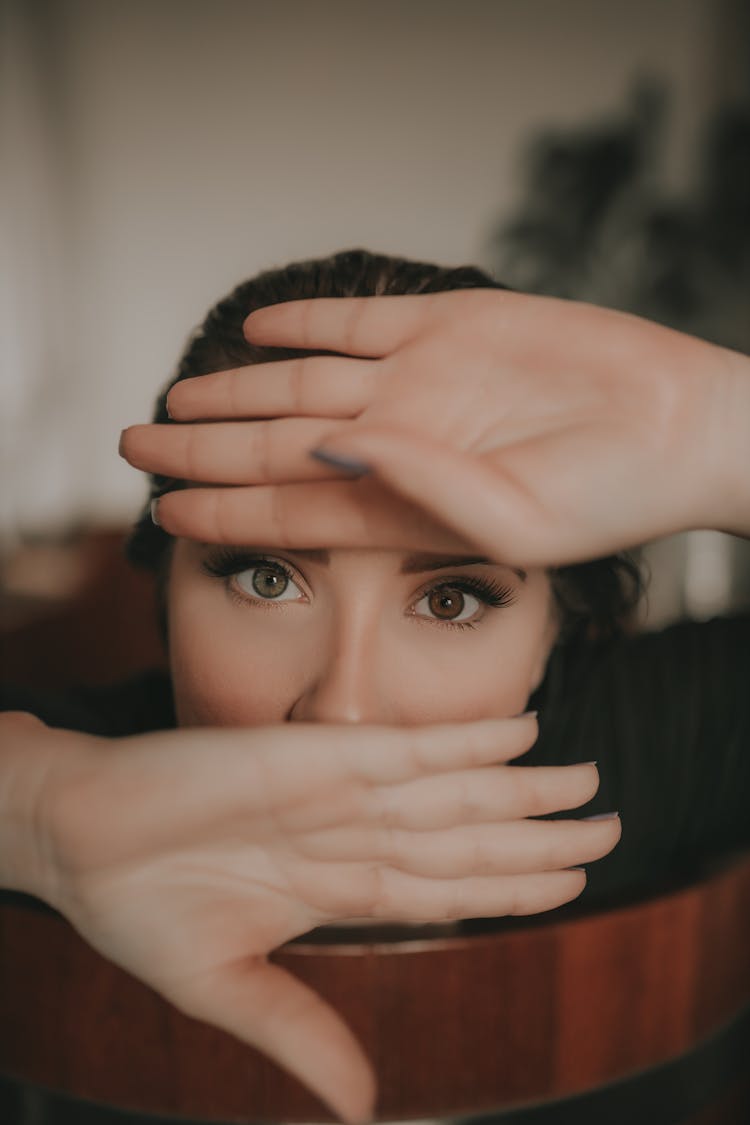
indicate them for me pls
(597, 224)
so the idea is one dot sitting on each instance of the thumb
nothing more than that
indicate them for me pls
(265, 1006)
(457, 488)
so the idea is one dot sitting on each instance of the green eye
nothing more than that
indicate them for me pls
(268, 583)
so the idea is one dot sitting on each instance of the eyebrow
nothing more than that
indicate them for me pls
(413, 564)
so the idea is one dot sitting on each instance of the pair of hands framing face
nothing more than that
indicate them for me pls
(540, 431)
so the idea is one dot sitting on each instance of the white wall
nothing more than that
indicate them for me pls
(166, 149)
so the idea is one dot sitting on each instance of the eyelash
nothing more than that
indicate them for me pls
(226, 563)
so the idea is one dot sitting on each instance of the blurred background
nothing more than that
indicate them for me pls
(156, 152)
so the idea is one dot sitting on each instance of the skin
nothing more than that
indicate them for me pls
(597, 431)
(353, 639)
(187, 856)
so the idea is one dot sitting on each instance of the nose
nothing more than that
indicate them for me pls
(345, 686)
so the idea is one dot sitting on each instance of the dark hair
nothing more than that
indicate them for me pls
(594, 598)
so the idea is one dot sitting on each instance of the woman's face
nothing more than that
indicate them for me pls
(352, 636)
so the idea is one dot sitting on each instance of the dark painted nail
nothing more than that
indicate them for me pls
(602, 816)
(338, 461)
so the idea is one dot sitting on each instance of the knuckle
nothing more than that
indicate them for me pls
(469, 806)
(455, 906)
(192, 451)
(389, 845)
(528, 796)
(230, 388)
(260, 452)
(380, 897)
(220, 506)
(278, 514)
(386, 810)
(297, 384)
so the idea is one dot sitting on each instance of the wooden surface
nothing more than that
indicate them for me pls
(453, 1025)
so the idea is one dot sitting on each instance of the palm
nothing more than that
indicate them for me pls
(544, 431)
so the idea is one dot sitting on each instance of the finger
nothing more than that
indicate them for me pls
(374, 756)
(231, 452)
(506, 848)
(311, 386)
(475, 796)
(265, 1006)
(410, 898)
(484, 507)
(354, 326)
(356, 769)
(327, 514)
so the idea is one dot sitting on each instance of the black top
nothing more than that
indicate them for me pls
(666, 716)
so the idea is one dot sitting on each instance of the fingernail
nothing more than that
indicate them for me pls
(155, 511)
(529, 715)
(169, 412)
(602, 816)
(575, 869)
(119, 445)
(338, 461)
(588, 763)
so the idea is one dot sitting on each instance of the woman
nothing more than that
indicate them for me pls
(305, 637)
(369, 636)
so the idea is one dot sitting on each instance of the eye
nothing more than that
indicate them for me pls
(253, 578)
(461, 602)
(270, 582)
(447, 603)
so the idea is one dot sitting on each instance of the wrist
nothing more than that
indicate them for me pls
(31, 756)
(732, 449)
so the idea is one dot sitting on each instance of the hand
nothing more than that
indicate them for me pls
(187, 856)
(542, 431)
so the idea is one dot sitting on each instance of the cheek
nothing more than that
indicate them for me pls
(485, 673)
(493, 684)
(225, 670)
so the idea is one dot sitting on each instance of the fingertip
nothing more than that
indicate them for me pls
(250, 322)
(129, 442)
(122, 442)
(161, 516)
(258, 327)
(362, 1112)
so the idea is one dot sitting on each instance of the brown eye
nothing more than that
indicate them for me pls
(446, 603)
